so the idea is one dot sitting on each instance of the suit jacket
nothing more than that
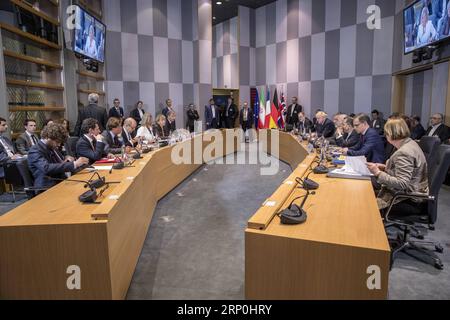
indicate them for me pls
(160, 132)
(418, 132)
(171, 127)
(443, 132)
(24, 143)
(233, 111)
(91, 111)
(250, 119)
(347, 141)
(44, 163)
(326, 129)
(406, 171)
(4, 155)
(209, 117)
(84, 149)
(192, 116)
(371, 146)
(306, 125)
(136, 116)
(113, 113)
(293, 120)
(378, 126)
(127, 142)
(111, 146)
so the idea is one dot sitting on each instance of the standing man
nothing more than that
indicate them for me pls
(168, 108)
(438, 128)
(192, 115)
(212, 115)
(378, 122)
(292, 112)
(116, 111)
(92, 111)
(231, 113)
(28, 138)
(138, 113)
(246, 119)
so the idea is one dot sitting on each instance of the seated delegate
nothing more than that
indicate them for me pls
(405, 171)
(371, 144)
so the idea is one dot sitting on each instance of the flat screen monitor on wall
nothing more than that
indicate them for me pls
(89, 36)
(425, 23)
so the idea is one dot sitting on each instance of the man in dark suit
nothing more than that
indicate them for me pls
(377, 122)
(418, 131)
(371, 144)
(46, 162)
(129, 133)
(7, 150)
(192, 115)
(438, 128)
(171, 122)
(28, 138)
(246, 119)
(231, 113)
(324, 126)
(116, 111)
(92, 111)
(292, 112)
(304, 125)
(346, 136)
(91, 144)
(168, 108)
(138, 113)
(112, 136)
(212, 116)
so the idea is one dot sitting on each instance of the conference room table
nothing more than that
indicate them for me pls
(340, 252)
(45, 241)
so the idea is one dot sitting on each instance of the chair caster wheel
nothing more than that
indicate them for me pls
(439, 265)
(420, 237)
(439, 249)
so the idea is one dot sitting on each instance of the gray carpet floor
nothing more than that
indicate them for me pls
(195, 245)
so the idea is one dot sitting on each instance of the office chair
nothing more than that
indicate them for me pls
(71, 146)
(430, 148)
(406, 215)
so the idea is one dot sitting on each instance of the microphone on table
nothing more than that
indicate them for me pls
(295, 214)
(89, 196)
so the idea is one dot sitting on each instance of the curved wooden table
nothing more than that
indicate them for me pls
(332, 255)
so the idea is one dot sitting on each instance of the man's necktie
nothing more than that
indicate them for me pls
(35, 140)
(116, 141)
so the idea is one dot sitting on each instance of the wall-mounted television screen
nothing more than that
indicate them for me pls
(425, 23)
(89, 38)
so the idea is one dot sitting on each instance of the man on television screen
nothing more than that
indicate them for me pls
(444, 23)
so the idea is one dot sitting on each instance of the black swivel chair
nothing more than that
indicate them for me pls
(430, 148)
(406, 215)
(71, 146)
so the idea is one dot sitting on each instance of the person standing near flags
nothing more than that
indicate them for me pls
(246, 119)
(292, 112)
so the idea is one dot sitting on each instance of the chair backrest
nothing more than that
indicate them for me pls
(18, 174)
(430, 147)
(71, 146)
(438, 177)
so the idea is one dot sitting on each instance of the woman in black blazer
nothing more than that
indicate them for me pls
(160, 128)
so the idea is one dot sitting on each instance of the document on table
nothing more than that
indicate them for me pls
(355, 168)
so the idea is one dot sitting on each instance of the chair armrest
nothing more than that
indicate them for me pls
(404, 196)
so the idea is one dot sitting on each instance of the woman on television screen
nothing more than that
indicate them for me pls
(90, 49)
(426, 33)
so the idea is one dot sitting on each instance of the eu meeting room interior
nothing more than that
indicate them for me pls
(232, 150)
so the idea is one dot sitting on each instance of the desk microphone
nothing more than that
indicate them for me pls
(89, 196)
(295, 214)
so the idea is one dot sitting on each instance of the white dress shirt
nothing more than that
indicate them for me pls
(424, 35)
(433, 130)
(147, 133)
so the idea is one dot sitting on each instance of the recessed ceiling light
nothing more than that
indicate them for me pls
(219, 2)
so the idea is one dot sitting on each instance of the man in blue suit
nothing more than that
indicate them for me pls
(371, 144)
(116, 111)
(91, 144)
(212, 115)
(46, 162)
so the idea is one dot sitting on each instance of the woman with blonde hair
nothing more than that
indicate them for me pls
(145, 131)
(160, 127)
(405, 171)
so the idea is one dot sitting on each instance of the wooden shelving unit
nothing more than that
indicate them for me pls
(33, 67)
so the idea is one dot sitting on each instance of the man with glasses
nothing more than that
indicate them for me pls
(371, 144)
(438, 128)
